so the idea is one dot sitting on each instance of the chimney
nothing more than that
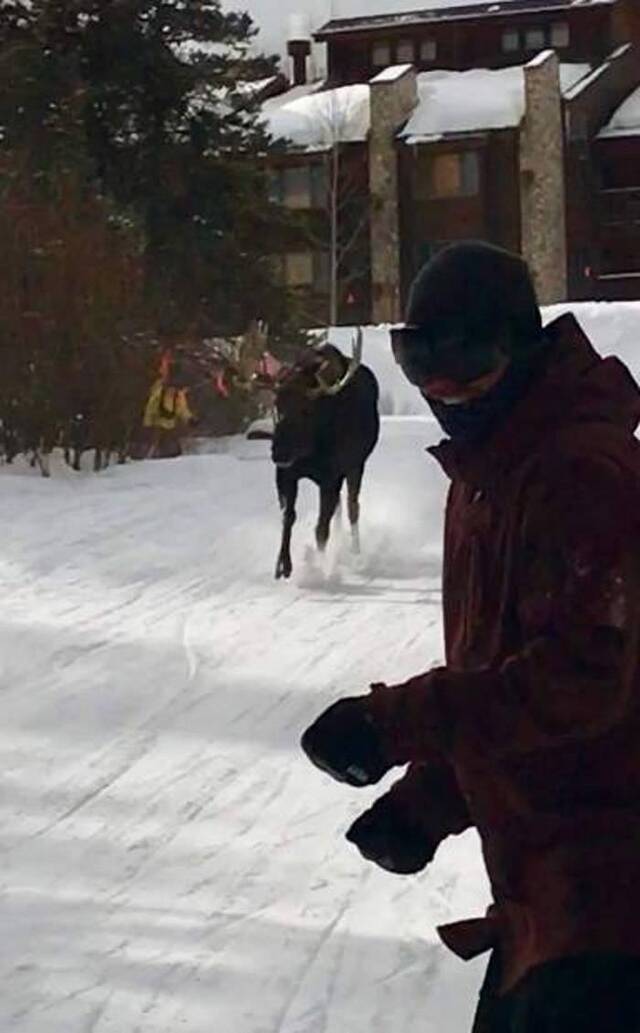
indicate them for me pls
(299, 47)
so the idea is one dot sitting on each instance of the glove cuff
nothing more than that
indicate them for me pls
(410, 718)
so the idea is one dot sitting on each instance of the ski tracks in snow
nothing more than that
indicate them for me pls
(168, 859)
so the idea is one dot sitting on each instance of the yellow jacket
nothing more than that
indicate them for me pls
(167, 407)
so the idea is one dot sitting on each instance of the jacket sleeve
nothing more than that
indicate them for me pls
(428, 797)
(152, 405)
(183, 409)
(576, 601)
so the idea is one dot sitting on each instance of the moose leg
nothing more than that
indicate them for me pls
(329, 500)
(354, 483)
(287, 495)
(42, 460)
(337, 518)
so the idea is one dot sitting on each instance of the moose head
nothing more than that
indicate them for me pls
(302, 396)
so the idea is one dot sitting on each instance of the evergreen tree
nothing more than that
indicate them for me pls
(153, 102)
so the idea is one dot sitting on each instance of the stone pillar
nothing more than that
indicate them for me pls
(542, 179)
(394, 95)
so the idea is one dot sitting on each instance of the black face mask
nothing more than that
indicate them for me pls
(475, 420)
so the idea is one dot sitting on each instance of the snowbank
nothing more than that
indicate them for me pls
(397, 396)
(614, 328)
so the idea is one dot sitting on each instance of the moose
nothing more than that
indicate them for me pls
(326, 427)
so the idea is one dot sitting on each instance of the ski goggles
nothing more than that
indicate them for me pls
(423, 356)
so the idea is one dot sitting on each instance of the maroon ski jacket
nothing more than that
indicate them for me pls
(532, 731)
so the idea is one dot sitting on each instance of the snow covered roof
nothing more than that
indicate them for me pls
(626, 120)
(473, 101)
(312, 119)
(449, 10)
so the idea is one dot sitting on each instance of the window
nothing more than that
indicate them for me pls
(381, 55)
(298, 269)
(299, 186)
(510, 41)
(274, 186)
(296, 187)
(560, 35)
(319, 186)
(321, 271)
(454, 175)
(406, 52)
(428, 51)
(310, 270)
(535, 39)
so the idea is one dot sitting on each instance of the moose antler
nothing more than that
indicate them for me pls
(261, 334)
(330, 390)
(250, 348)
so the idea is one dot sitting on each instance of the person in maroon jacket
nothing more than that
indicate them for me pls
(531, 732)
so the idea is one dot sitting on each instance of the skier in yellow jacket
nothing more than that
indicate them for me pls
(167, 415)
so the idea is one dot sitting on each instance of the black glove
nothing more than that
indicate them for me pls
(384, 835)
(344, 742)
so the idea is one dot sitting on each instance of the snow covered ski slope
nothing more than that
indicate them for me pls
(168, 859)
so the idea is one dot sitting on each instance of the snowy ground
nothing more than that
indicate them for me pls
(169, 861)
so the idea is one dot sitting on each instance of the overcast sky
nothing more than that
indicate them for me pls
(272, 16)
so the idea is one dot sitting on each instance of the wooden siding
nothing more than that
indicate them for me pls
(473, 43)
(493, 214)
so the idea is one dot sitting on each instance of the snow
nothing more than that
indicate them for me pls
(601, 70)
(170, 861)
(397, 396)
(392, 74)
(194, 50)
(614, 327)
(541, 59)
(254, 87)
(626, 119)
(473, 101)
(584, 84)
(313, 119)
